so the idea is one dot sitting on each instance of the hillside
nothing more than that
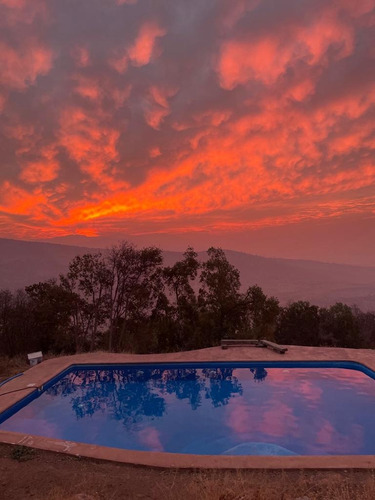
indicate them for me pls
(23, 263)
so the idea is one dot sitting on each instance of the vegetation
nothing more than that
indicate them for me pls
(22, 453)
(125, 299)
(75, 478)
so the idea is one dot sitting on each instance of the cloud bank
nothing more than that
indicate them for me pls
(146, 117)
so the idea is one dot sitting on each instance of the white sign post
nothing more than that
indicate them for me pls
(35, 358)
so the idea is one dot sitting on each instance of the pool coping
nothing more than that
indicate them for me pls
(37, 376)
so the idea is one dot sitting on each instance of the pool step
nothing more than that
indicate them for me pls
(225, 343)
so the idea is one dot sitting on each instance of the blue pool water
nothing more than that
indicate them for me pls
(213, 408)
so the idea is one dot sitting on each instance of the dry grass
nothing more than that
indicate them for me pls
(18, 364)
(12, 366)
(280, 485)
(234, 485)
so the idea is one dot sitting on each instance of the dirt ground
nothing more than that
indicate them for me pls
(26, 474)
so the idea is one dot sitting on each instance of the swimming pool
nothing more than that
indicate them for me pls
(226, 408)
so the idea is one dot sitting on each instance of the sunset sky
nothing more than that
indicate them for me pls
(246, 124)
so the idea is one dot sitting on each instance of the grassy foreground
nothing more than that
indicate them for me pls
(12, 366)
(26, 473)
(44, 475)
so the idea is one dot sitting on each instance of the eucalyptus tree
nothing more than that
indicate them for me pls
(179, 280)
(180, 276)
(219, 296)
(259, 314)
(9, 342)
(299, 324)
(133, 287)
(339, 326)
(366, 324)
(49, 306)
(88, 279)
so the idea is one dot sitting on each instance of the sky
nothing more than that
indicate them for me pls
(246, 124)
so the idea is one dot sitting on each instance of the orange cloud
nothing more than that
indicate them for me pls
(258, 119)
(87, 88)
(119, 61)
(155, 116)
(141, 51)
(43, 170)
(243, 61)
(155, 152)
(89, 142)
(268, 57)
(15, 200)
(21, 68)
(161, 94)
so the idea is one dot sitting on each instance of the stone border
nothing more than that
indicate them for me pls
(37, 376)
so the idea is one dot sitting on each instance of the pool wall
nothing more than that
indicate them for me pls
(22, 390)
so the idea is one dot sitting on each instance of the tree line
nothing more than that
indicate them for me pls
(126, 299)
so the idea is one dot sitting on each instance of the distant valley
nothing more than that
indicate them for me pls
(23, 263)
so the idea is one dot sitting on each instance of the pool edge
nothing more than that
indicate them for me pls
(43, 373)
(184, 461)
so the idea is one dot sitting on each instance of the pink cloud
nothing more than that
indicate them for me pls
(21, 68)
(141, 51)
(119, 61)
(161, 94)
(336, 442)
(325, 434)
(81, 55)
(241, 417)
(155, 116)
(155, 152)
(276, 420)
(87, 88)
(24, 12)
(279, 420)
(150, 437)
(243, 61)
(268, 57)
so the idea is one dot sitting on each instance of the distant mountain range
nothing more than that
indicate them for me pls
(23, 263)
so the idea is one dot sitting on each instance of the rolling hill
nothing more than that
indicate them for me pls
(23, 263)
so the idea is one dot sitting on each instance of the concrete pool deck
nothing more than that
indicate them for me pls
(34, 378)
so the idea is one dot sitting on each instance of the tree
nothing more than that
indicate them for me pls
(219, 297)
(163, 324)
(299, 324)
(366, 325)
(10, 343)
(134, 285)
(259, 314)
(339, 327)
(178, 279)
(50, 305)
(88, 279)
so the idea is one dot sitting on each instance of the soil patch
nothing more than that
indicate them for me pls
(46, 475)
